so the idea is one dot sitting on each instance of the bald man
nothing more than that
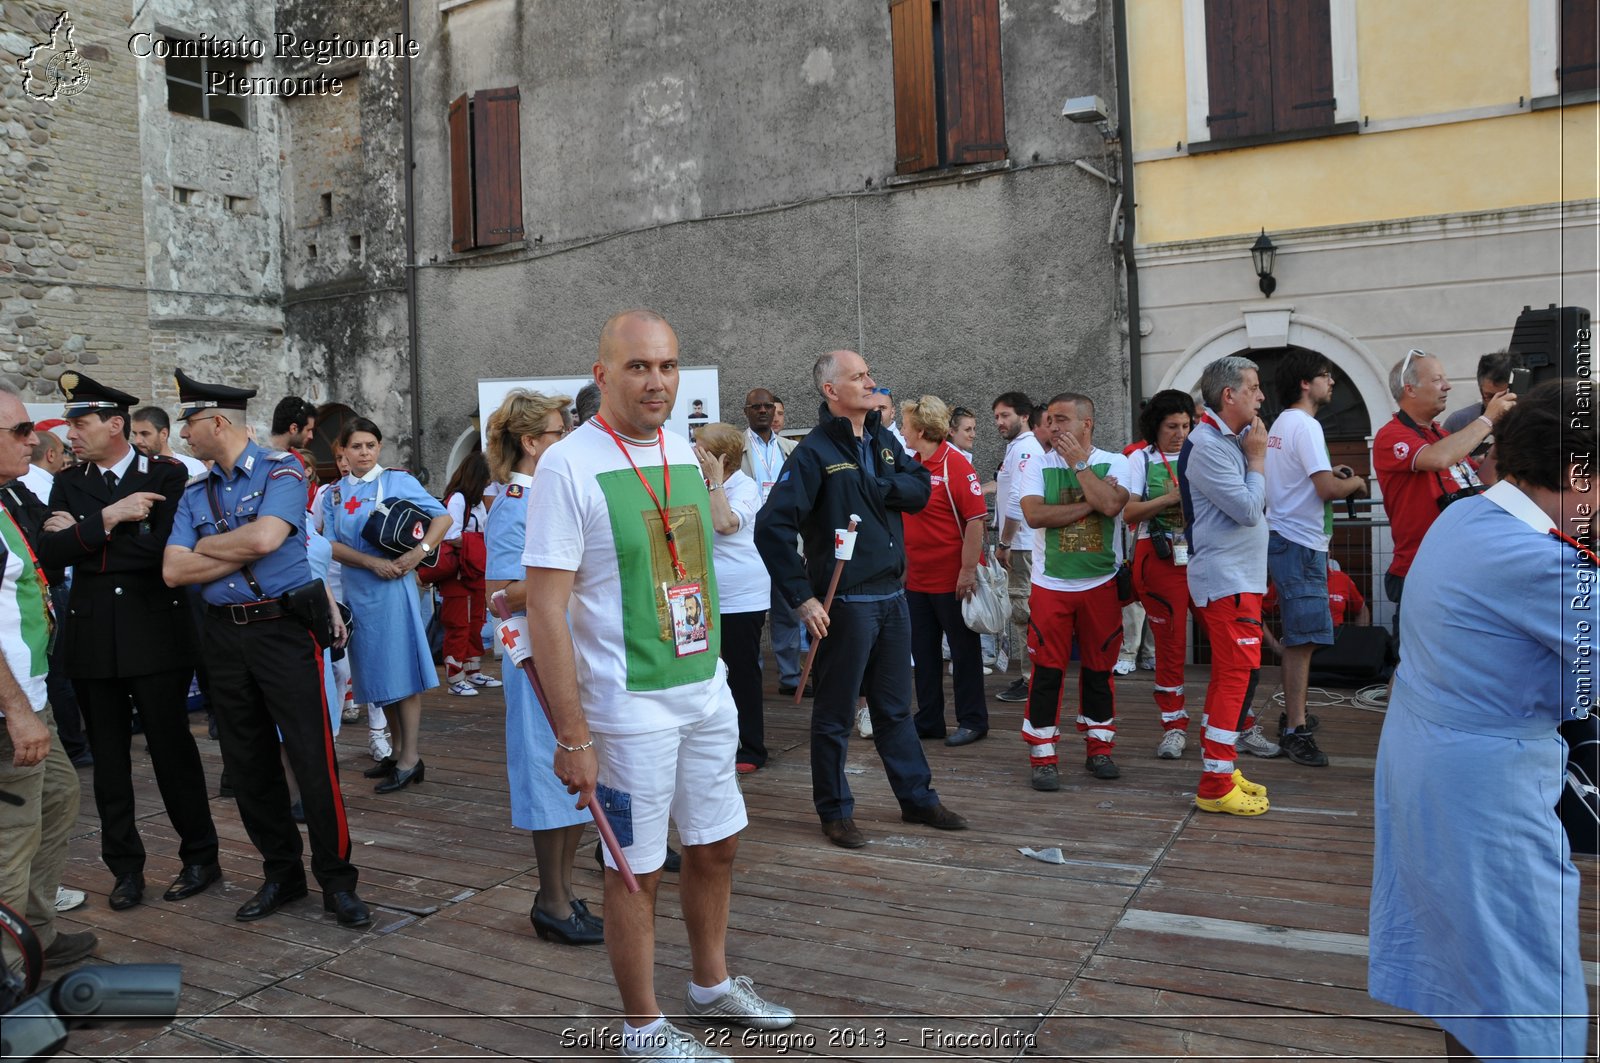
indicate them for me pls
(850, 466)
(644, 720)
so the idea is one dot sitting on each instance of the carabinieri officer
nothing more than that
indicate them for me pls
(240, 533)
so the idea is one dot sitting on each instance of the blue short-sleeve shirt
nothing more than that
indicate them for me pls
(263, 483)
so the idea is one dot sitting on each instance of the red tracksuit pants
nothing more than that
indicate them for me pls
(1163, 588)
(1055, 617)
(1234, 626)
(462, 612)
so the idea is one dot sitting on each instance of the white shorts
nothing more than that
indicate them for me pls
(685, 774)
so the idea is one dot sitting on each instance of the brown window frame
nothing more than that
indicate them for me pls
(949, 84)
(1269, 69)
(485, 169)
(1580, 66)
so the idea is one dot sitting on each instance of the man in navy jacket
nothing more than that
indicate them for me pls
(851, 466)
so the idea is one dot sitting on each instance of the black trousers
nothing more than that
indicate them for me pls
(741, 652)
(933, 615)
(266, 679)
(162, 701)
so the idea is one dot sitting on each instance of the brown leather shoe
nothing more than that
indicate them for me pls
(844, 833)
(934, 816)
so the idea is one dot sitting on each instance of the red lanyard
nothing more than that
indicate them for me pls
(1206, 418)
(1576, 545)
(1170, 474)
(666, 490)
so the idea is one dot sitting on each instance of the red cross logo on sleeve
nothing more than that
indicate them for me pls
(509, 637)
(352, 505)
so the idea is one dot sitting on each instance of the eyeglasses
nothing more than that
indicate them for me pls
(881, 391)
(22, 429)
(1412, 353)
(559, 433)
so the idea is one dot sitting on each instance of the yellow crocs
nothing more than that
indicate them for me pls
(1236, 802)
(1254, 789)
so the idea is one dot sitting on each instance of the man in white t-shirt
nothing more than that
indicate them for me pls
(49, 458)
(1072, 498)
(1015, 419)
(1302, 486)
(619, 544)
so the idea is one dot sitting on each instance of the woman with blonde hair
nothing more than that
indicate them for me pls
(944, 542)
(742, 580)
(526, 424)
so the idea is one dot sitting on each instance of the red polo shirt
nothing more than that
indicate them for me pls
(934, 535)
(1411, 495)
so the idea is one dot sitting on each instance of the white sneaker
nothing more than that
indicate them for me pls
(352, 712)
(1172, 743)
(67, 898)
(1254, 742)
(463, 689)
(478, 679)
(864, 722)
(378, 744)
(670, 1043)
(1147, 663)
(742, 1006)
(1122, 668)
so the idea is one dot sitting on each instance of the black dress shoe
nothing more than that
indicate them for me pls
(270, 898)
(194, 878)
(128, 891)
(964, 736)
(588, 916)
(381, 770)
(351, 910)
(402, 778)
(573, 930)
(927, 736)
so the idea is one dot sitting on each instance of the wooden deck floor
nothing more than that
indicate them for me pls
(1166, 934)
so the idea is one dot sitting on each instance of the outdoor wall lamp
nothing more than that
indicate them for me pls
(1263, 252)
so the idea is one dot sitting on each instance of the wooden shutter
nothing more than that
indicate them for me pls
(974, 90)
(497, 166)
(460, 175)
(916, 130)
(1580, 26)
(1302, 64)
(1238, 68)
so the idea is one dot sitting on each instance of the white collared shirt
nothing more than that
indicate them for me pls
(121, 467)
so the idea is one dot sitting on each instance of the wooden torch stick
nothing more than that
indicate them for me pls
(827, 607)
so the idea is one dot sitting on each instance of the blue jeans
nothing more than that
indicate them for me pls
(868, 649)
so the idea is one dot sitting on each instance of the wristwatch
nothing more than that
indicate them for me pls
(1081, 465)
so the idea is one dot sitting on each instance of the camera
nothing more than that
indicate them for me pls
(1457, 495)
(1161, 543)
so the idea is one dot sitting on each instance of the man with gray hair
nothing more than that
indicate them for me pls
(1222, 475)
(850, 468)
(1420, 468)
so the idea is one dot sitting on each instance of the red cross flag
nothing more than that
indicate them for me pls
(844, 540)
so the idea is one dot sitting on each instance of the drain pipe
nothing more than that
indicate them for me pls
(1125, 138)
(411, 251)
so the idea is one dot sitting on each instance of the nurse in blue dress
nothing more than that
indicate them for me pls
(524, 425)
(1474, 910)
(389, 659)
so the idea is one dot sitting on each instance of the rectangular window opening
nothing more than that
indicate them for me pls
(311, 252)
(327, 204)
(182, 195)
(188, 78)
(238, 204)
(355, 243)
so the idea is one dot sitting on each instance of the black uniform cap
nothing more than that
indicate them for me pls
(195, 397)
(85, 395)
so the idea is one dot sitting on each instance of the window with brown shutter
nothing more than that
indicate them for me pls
(485, 169)
(949, 96)
(1269, 67)
(1580, 27)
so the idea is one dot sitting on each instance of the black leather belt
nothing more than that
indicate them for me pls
(249, 613)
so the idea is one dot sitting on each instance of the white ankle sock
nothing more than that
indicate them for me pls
(635, 1040)
(702, 995)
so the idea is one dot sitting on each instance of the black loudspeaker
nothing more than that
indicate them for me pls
(1552, 343)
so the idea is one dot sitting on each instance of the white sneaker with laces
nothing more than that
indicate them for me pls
(67, 898)
(351, 713)
(1122, 668)
(487, 682)
(1172, 743)
(669, 1043)
(378, 744)
(462, 689)
(1258, 744)
(741, 1005)
(864, 722)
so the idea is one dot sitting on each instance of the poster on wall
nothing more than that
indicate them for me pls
(697, 397)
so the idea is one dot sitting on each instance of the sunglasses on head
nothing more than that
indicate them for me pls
(1412, 353)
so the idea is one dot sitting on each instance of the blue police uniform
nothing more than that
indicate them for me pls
(267, 673)
(389, 656)
(539, 801)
